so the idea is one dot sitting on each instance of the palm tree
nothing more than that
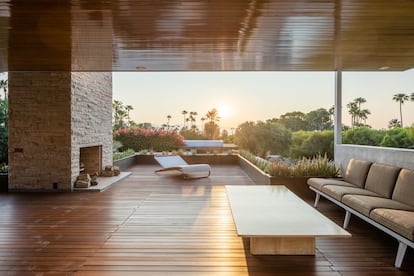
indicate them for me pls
(202, 122)
(4, 85)
(168, 120)
(363, 115)
(184, 112)
(195, 117)
(118, 113)
(412, 97)
(394, 123)
(128, 108)
(192, 118)
(212, 129)
(357, 114)
(400, 98)
(353, 111)
(331, 113)
(360, 101)
(212, 115)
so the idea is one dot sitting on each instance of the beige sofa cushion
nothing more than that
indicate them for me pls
(357, 171)
(404, 188)
(318, 183)
(400, 221)
(381, 179)
(338, 192)
(365, 204)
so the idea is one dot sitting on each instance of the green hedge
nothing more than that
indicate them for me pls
(123, 154)
(395, 137)
(312, 143)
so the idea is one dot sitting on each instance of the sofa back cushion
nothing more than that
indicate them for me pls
(357, 172)
(404, 188)
(381, 179)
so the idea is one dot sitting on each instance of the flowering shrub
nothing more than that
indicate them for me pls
(149, 139)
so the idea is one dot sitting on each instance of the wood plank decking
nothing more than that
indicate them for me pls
(151, 225)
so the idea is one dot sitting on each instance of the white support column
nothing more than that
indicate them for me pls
(317, 197)
(402, 247)
(338, 109)
(346, 220)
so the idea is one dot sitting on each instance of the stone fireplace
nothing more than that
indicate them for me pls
(90, 159)
(91, 119)
(56, 121)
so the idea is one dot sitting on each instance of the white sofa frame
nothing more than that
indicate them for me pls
(403, 241)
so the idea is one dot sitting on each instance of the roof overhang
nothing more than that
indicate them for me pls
(206, 35)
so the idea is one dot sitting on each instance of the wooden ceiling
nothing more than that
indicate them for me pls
(206, 35)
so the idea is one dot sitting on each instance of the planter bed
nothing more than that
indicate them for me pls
(212, 159)
(297, 184)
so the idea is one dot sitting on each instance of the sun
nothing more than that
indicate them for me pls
(224, 111)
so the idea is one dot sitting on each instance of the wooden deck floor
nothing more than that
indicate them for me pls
(151, 225)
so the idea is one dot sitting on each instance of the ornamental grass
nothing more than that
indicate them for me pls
(318, 166)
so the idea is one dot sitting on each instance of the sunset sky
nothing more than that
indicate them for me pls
(253, 96)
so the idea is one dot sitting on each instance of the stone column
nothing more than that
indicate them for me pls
(91, 116)
(52, 115)
(39, 130)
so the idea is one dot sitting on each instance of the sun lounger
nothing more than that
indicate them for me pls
(174, 164)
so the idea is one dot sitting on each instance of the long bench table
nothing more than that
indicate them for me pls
(277, 221)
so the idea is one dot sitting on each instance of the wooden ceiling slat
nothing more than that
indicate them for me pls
(97, 35)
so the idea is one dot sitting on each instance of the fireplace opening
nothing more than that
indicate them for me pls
(90, 160)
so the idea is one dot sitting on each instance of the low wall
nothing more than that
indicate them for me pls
(297, 184)
(258, 176)
(124, 163)
(403, 158)
(213, 159)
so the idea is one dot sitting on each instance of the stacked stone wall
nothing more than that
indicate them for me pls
(91, 115)
(39, 130)
(51, 116)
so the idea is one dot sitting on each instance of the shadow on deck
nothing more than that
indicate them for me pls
(151, 225)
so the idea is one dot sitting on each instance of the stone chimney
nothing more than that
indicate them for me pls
(52, 115)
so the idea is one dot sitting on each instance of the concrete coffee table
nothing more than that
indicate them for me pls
(277, 221)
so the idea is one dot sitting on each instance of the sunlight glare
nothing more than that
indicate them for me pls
(224, 111)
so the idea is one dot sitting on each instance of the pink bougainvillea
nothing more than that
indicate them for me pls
(148, 138)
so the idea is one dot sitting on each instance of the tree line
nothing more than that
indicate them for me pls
(295, 134)
(359, 115)
(210, 128)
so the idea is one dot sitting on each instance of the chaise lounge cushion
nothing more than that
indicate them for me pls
(176, 164)
(338, 192)
(357, 171)
(404, 188)
(400, 221)
(381, 179)
(365, 204)
(318, 183)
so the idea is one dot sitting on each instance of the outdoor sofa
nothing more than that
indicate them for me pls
(380, 194)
